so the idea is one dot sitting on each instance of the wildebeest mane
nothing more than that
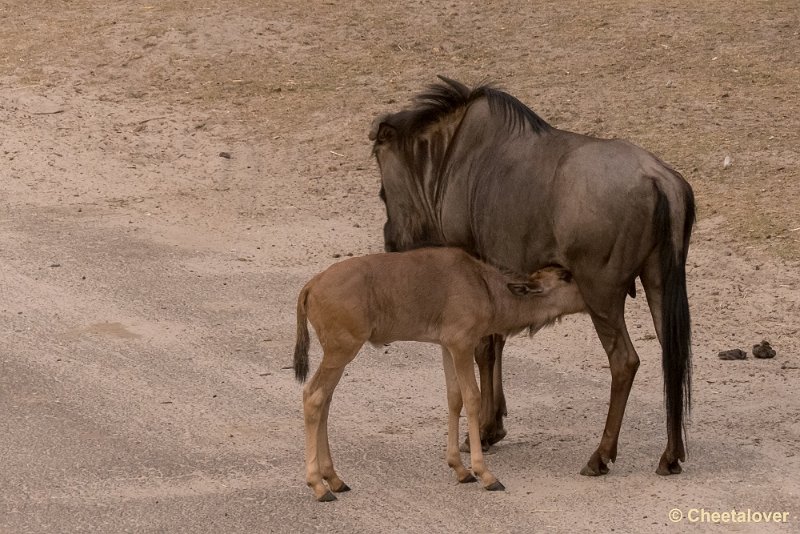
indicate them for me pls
(445, 97)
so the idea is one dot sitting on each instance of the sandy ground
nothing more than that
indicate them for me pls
(148, 282)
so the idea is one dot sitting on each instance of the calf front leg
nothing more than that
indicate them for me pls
(454, 403)
(488, 356)
(471, 395)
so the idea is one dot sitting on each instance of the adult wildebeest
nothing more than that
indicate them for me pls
(479, 170)
(439, 295)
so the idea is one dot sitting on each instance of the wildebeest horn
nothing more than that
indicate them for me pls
(376, 125)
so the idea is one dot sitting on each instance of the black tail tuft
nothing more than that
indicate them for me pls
(302, 341)
(676, 325)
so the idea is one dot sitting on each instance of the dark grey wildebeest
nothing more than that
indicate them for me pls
(477, 169)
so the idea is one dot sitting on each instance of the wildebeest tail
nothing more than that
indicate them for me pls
(676, 340)
(302, 340)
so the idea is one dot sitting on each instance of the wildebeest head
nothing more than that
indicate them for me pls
(381, 133)
(412, 148)
(408, 209)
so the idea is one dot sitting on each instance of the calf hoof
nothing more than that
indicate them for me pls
(327, 497)
(341, 489)
(467, 479)
(495, 486)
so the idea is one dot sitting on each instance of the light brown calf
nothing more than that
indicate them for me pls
(437, 295)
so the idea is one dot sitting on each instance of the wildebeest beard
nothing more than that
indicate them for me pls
(417, 156)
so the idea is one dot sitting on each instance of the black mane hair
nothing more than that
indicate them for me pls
(441, 99)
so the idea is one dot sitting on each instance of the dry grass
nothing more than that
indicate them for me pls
(691, 82)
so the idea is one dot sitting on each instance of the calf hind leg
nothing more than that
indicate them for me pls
(317, 396)
(335, 483)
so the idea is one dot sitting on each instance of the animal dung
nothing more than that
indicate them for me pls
(763, 350)
(733, 354)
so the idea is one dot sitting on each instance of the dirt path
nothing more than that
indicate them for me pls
(170, 176)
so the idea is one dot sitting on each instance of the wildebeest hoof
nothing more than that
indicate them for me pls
(669, 468)
(763, 350)
(467, 479)
(497, 436)
(590, 472)
(327, 497)
(595, 467)
(495, 486)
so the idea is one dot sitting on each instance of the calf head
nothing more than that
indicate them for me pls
(544, 282)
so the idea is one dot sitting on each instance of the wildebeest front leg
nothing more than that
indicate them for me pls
(499, 397)
(624, 362)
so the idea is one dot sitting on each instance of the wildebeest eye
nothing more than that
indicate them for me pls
(383, 134)
(377, 125)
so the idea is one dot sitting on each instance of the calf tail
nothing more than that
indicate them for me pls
(676, 356)
(302, 340)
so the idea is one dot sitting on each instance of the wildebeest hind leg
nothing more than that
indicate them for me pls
(669, 464)
(607, 313)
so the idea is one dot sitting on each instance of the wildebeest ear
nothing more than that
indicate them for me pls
(381, 130)
(526, 288)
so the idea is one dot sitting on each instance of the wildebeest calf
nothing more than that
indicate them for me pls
(437, 295)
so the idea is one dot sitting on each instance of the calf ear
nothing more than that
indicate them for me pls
(381, 130)
(526, 288)
(565, 275)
